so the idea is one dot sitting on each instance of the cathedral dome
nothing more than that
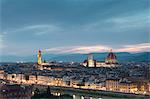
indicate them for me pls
(111, 58)
(111, 55)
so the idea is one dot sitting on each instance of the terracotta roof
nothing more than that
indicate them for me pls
(111, 55)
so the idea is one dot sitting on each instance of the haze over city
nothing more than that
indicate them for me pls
(74, 26)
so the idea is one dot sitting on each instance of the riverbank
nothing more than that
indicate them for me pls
(94, 93)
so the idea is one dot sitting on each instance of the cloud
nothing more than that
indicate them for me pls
(119, 23)
(79, 49)
(69, 23)
(37, 30)
(139, 20)
(144, 47)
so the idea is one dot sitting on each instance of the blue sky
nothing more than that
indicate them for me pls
(74, 26)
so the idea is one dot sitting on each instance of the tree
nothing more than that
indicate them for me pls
(48, 91)
(36, 91)
(26, 77)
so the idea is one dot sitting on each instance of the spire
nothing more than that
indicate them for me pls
(39, 51)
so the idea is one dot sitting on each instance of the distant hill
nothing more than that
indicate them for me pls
(31, 58)
(121, 56)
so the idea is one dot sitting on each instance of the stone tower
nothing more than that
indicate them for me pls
(39, 58)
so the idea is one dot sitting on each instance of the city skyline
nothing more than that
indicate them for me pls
(76, 26)
(74, 49)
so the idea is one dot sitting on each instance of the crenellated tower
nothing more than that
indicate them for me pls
(39, 58)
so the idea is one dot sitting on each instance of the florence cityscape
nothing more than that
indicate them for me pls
(75, 49)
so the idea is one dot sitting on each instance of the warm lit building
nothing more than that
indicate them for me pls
(58, 81)
(111, 58)
(1, 71)
(43, 80)
(128, 87)
(110, 61)
(2, 74)
(121, 85)
(112, 84)
(90, 62)
(142, 84)
(33, 79)
(39, 58)
(42, 65)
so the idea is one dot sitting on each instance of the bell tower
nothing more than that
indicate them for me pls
(90, 60)
(39, 58)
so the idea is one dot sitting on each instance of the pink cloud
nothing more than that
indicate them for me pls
(100, 48)
(144, 47)
(79, 49)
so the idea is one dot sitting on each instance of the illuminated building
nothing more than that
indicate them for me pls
(111, 58)
(90, 62)
(122, 85)
(40, 63)
(2, 74)
(110, 61)
(127, 87)
(112, 84)
(142, 84)
(39, 58)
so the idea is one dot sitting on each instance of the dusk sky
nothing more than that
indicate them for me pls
(74, 26)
